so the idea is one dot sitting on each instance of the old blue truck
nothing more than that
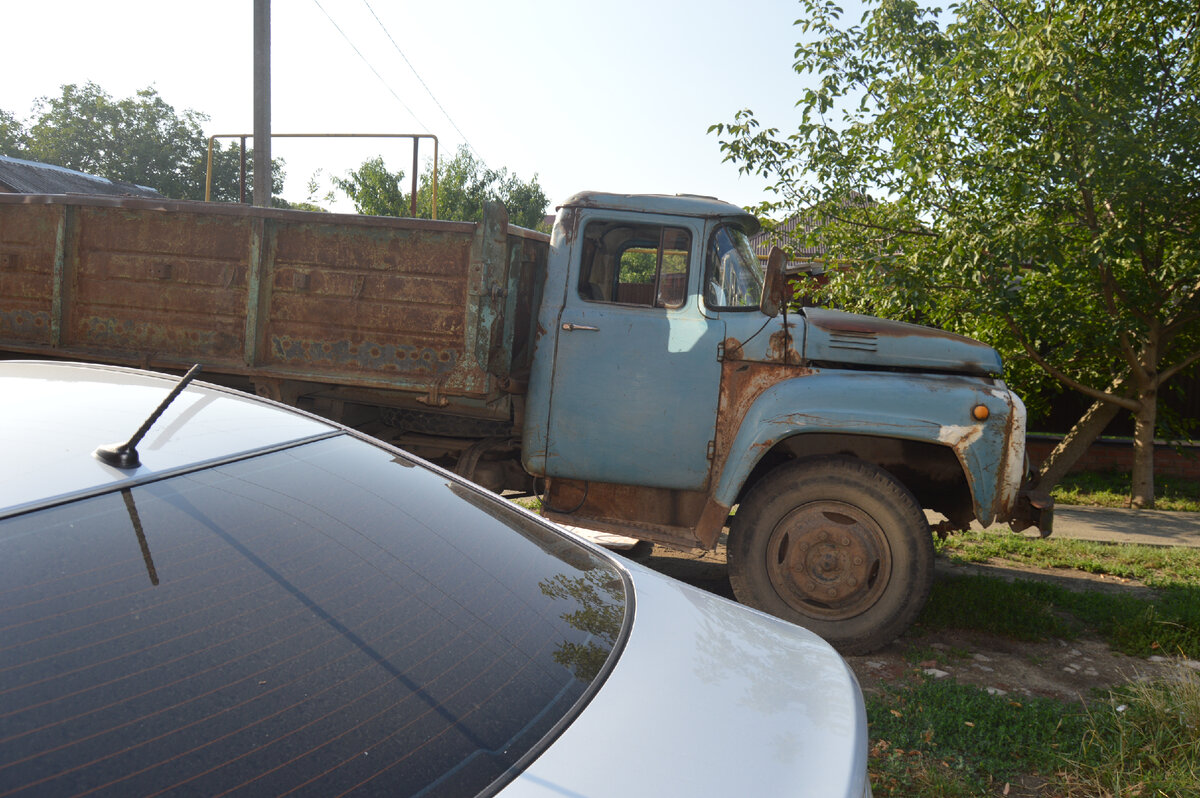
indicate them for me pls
(639, 369)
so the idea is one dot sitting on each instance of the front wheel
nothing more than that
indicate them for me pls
(835, 545)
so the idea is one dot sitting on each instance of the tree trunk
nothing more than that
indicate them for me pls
(1075, 443)
(1142, 491)
(1081, 436)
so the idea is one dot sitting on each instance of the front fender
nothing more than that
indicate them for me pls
(929, 408)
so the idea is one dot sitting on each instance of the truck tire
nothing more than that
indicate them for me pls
(835, 545)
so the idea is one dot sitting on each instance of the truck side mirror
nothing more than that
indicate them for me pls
(774, 284)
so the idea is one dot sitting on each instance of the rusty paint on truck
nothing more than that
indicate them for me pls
(399, 302)
(841, 339)
(416, 306)
(27, 270)
(683, 519)
(742, 382)
(661, 515)
(781, 346)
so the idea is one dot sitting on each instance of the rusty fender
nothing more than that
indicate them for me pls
(930, 408)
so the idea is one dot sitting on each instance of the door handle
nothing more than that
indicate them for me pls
(571, 327)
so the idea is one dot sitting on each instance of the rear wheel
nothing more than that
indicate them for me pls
(835, 545)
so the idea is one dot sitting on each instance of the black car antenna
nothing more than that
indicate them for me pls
(124, 455)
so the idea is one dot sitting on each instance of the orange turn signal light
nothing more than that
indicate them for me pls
(981, 413)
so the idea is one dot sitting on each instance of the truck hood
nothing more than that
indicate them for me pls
(835, 337)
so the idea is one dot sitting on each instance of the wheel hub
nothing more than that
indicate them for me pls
(829, 559)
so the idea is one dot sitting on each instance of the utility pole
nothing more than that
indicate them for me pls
(262, 103)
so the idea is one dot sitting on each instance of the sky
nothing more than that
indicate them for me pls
(615, 95)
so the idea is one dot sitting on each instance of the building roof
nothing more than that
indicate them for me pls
(29, 177)
(790, 235)
(786, 235)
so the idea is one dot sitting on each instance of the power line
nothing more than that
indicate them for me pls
(371, 66)
(418, 76)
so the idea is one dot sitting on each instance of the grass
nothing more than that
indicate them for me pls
(1155, 566)
(1020, 610)
(1165, 620)
(1166, 623)
(1144, 740)
(1111, 489)
(943, 739)
(939, 738)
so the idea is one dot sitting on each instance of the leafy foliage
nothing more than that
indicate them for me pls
(139, 139)
(374, 190)
(13, 138)
(464, 184)
(1025, 171)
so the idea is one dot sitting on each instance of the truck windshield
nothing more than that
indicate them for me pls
(733, 275)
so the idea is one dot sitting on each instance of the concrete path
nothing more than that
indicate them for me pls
(1152, 527)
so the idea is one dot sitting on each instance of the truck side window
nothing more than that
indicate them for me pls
(634, 264)
(733, 275)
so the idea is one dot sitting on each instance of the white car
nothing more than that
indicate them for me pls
(254, 600)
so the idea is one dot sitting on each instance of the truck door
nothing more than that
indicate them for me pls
(636, 378)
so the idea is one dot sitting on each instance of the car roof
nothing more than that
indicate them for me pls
(57, 414)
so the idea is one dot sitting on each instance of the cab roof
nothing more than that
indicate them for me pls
(675, 205)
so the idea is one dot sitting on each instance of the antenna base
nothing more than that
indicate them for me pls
(118, 455)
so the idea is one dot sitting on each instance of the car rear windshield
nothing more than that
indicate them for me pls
(318, 620)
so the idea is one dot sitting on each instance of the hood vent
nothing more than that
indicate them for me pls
(855, 341)
(836, 338)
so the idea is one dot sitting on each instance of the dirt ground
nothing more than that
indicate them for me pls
(1067, 670)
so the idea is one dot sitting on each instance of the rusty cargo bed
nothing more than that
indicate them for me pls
(399, 312)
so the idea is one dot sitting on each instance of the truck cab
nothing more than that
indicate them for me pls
(640, 367)
(629, 347)
(671, 388)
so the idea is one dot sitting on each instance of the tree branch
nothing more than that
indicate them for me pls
(1191, 293)
(1163, 376)
(1127, 349)
(893, 230)
(1180, 322)
(1003, 16)
(1189, 311)
(1086, 390)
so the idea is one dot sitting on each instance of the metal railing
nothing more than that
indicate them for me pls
(416, 138)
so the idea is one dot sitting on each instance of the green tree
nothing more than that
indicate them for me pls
(139, 139)
(227, 176)
(1037, 166)
(464, 184)
(375, 190)
(13, 137)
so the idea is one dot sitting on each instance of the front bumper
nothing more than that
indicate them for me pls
(1033, 508)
